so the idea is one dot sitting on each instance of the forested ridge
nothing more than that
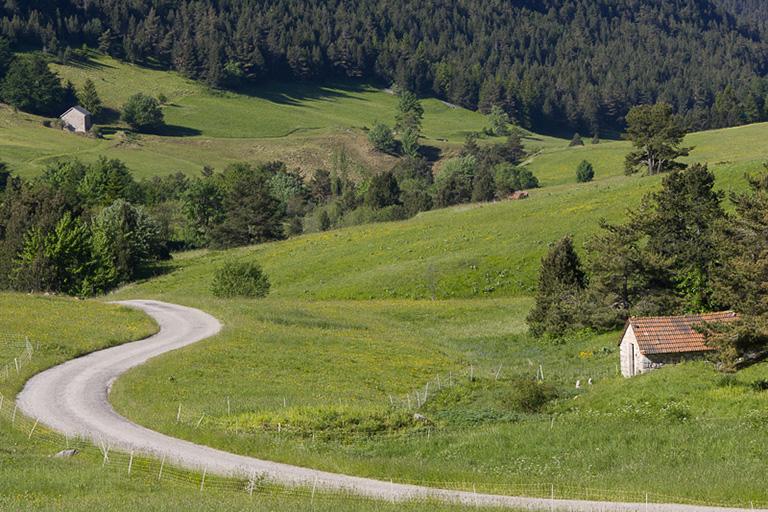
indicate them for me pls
(753, 12)
(579, 63)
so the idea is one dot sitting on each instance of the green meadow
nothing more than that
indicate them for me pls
(303, 124)
(329, 370)
(367, 326)
(59, 330)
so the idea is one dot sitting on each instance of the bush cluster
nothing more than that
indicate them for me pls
(240, 279)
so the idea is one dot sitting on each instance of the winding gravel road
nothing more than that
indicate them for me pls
(72, 398)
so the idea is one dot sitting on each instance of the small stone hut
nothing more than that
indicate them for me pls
(76, 119)
(651, 342)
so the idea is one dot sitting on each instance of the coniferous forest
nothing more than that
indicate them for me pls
(577, 64)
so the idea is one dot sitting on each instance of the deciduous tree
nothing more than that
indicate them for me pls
(143, 113)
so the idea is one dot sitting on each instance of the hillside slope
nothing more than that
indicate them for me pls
(306, 125)
(489, 249)
(325, 371)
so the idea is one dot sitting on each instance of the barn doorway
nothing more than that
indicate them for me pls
(631, 359)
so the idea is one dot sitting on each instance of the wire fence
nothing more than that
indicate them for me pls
(212, 422)
(15, 353)
(576, 377)
(154, 469)
(151, 468)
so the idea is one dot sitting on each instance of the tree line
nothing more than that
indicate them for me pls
(579, 63)
(84, 228)
(679, 252)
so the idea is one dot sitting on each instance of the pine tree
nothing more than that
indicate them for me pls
(576, 141)
(410, 142)
(32, 87)
(741, 280)
(409, 112)
(251, 213)
(383, 191)
(656, 135)
(89, 98)
(6, 57)
(561, 285)
(680, 221)
(105, 42)
(325, 221)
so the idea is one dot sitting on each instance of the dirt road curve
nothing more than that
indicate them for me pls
(72, 398)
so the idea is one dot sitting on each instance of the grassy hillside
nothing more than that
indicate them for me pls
(732, 151)
(468, 251)
(347, 326)
(302, 124)
(362, 322)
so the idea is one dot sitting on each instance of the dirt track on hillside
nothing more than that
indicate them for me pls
(72, 398)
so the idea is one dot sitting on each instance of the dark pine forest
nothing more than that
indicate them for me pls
(576, 64)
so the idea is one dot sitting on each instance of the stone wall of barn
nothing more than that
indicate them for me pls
(74, 121)
(627, 349)
(659, 360)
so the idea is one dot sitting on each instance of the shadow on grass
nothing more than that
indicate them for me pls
(87, 63)
(296, 93)
(564, 132)
(169, 130)
(173, 130)
(154, 270)
(108, 116)
(430, 153)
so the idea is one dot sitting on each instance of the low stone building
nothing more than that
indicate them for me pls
(651, 342)
(76, 119)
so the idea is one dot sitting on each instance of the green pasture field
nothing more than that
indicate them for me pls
(301, 123)
(60, 329)
(318, 373)
(329, 370)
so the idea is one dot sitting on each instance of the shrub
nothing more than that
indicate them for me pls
(240, 279)
(381, 138)
(509, 178)
(324, 221)
(585, 172)
(143, 112)
(530, 396)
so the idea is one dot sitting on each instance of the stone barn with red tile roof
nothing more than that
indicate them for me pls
(651, 342)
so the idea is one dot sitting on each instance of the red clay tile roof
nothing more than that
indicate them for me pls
(674, 334)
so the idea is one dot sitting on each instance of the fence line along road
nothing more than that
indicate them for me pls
(72, 399)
